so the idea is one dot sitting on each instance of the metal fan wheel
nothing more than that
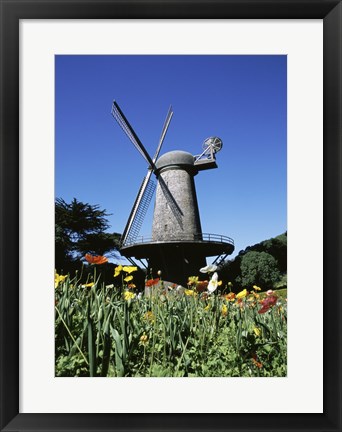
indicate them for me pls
(214, 143)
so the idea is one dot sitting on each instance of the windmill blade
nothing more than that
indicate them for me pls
(127, 128)
(139, 210)
(164, 130)
(148, 186)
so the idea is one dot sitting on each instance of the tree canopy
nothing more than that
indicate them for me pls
(259, 268)
(249, 268)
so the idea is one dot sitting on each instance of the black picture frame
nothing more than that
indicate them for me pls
(12, 11)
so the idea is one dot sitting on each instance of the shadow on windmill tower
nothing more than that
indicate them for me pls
(177, 248)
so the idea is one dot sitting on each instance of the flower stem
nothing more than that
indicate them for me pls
(73, 339)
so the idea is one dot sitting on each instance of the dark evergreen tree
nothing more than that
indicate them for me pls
(80, 229)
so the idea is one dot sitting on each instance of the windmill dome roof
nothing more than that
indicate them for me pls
(176, 157)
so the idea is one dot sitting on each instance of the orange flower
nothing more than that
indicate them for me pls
(230, 296)
(151, 282)
(256, 362)
(96, 259)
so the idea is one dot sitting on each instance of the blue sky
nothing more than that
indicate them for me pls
(241, 99)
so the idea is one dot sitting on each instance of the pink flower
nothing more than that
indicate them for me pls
(269, 292)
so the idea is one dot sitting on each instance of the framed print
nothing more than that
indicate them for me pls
(64, 56)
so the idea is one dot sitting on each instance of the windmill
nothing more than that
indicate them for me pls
(177, 247)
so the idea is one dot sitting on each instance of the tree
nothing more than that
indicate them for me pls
(277, 247)
(259, 268)
(79, 229)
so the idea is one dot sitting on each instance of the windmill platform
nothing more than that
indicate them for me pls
(179, 258)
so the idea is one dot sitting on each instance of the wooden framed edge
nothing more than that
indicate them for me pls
(11, 12)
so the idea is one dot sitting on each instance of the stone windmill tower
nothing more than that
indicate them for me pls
(177, 247)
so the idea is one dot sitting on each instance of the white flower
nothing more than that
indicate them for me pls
(209, 268)
(213, 284)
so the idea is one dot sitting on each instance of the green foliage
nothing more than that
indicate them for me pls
(80, 229)
(231, 270)
(100, 332)
(259, 268)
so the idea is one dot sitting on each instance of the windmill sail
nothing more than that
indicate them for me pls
(139, 210)
(162, 136)
(127, 128)
(148, 185)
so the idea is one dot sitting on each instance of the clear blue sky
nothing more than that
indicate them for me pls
(241, 99)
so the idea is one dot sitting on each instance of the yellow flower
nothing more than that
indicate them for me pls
(257, 331)
(190, 292)
(118, 270)
(241, 294)
(58, 279)
(149, 316)
(143, 339)
(224, 310)
(256, 288)
(128, 278)
(192, 280)
(88, 285)
(128, 295)
(207, 307)
(129, 269)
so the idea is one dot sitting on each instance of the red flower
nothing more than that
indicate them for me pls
(264, 309)
(267, 303)
(96, 259)
(202, 286)
(151, 282)
(270, 300)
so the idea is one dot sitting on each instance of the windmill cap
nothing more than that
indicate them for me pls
(176, 157)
